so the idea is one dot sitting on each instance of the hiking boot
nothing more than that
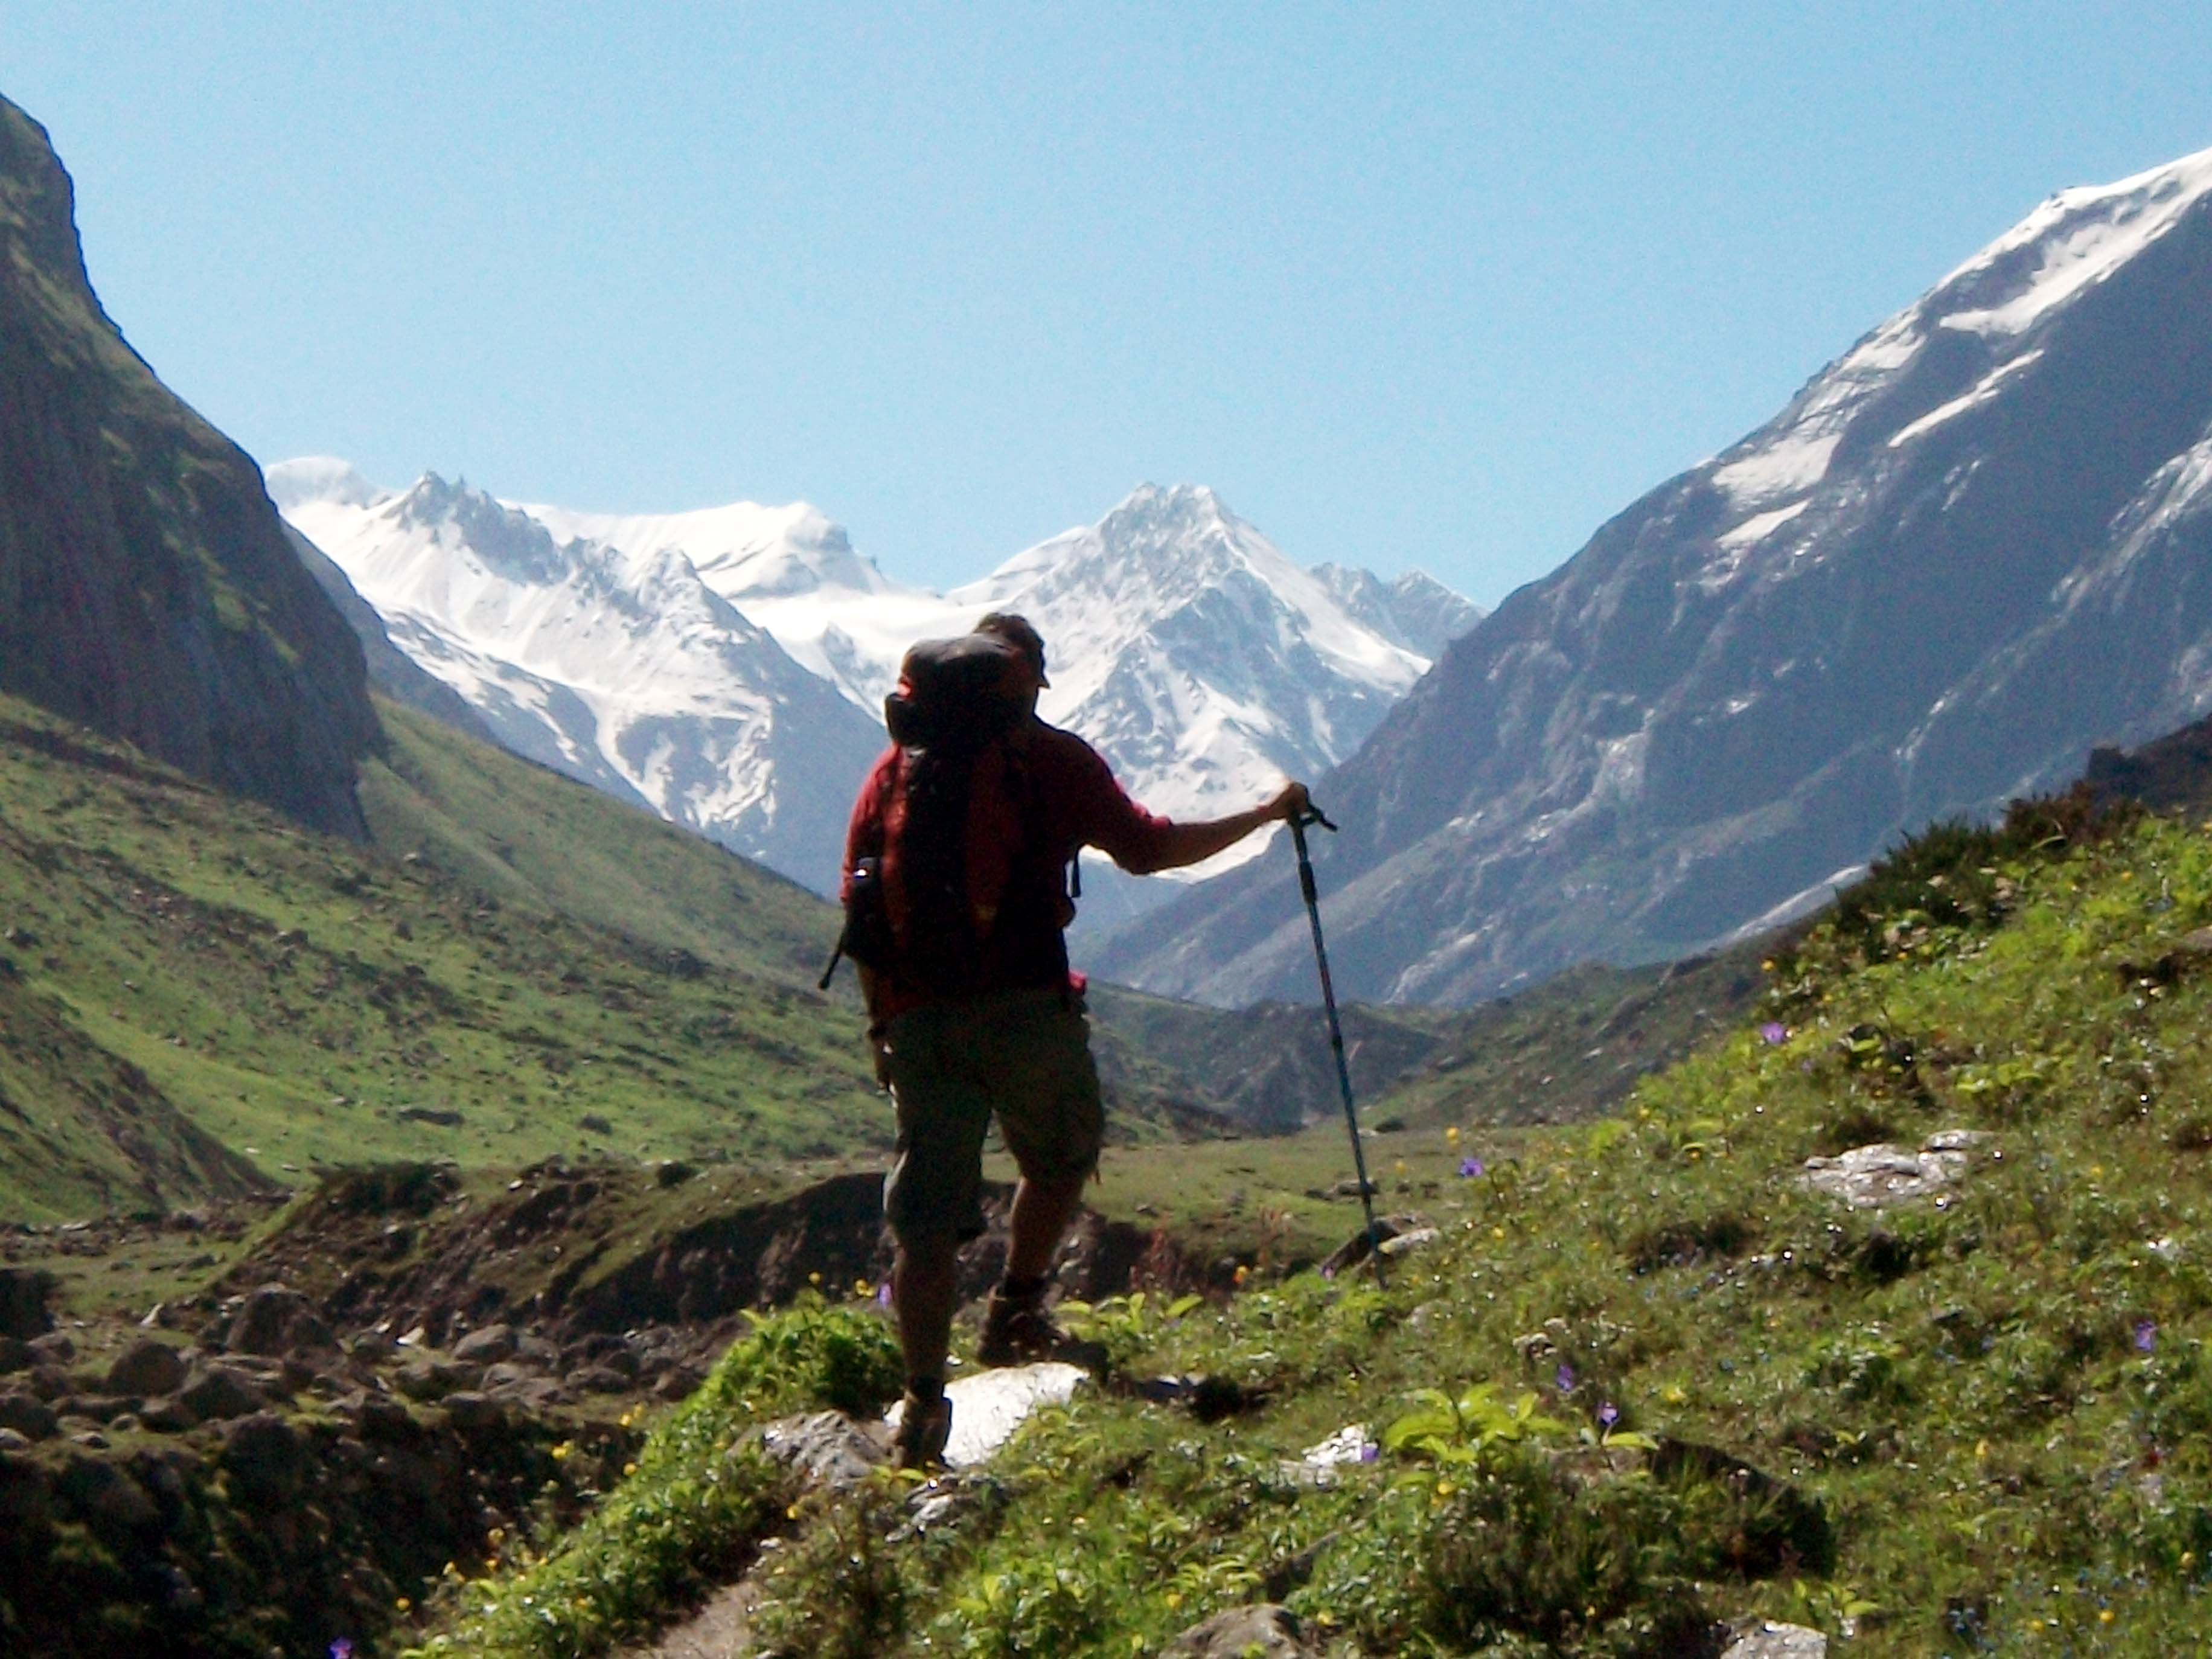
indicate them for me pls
(923, 1429)
(1018, 1328)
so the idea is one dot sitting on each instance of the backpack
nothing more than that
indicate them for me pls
(963, 893)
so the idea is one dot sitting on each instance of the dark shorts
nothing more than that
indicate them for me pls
(1021, 1056)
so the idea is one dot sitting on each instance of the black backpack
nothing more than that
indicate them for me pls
(914, 910)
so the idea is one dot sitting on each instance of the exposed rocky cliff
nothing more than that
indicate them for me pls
(146, 585)
(1975, 547)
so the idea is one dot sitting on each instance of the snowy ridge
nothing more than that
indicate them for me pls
(622, 667)
(683, 660)
(2000, 298)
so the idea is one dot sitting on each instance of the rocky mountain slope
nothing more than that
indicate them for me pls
(1969, 550)
(1201, 660)
(146, 585)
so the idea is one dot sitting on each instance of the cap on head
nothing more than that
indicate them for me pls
(1016, 631)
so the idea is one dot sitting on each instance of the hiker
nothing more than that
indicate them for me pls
(957, 893)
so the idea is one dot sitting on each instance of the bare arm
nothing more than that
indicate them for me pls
(1185, 844)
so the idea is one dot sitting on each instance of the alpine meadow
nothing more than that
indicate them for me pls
(1713, 1158)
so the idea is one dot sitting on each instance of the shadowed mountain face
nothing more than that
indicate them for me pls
(146, 585)
(1973, 548)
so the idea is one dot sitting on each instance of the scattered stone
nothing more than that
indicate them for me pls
(1265, 1632)
(220, 1392)
(491, 1344)
(1407, 1242)
(432, 1379)
(470, 1412)
(1357, 1248)
(602, 1379)
(267, 1457)
(828, 1448)
(16, 1355)
(147, 1367)
(276, 1321)
(49, 1382)
(675, 1172)
(988, 1407)
(54, 1348)
(29, 1416)
(169, 1415)
(592, 1123)
(1768, 1640)
(1868, 1178)
(441, 1116)
(107, 1497)
(14, 1440)
(1352, 1443)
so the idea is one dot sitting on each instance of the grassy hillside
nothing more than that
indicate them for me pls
(303, 1001)
(1649, 1377)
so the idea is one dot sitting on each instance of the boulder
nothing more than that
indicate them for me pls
(1264, 1631)
(16, 1355)
(1767, 1640)
(220, 1392)
(828, 1448)
(54, 1348)
(487, 1346)
(110, 1500)
(267, 1457)
(147, 1367)
(470, 1412)
(169, 1415)
(25, 1293)
(28, 1415)
(275, 1321)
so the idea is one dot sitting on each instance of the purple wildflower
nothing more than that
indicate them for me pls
(1369, 1451)
(883, 1294)
(1565, 1377)
(1470, 1166)
(2146, 1335)
(1608, 1415)
(1773, 1032)
(343, 1648)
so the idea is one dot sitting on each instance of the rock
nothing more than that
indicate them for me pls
(1356, 1248)
(1351, 1445)
(25, 1496)
(1265, 1632)
(54, 1348)
(49, 1382)
(828, 1448)
(1868, 1178)
(107, 1497)
(100, 1407)
(377, 1417)
(267, 1457)
(988, 1407)
(1407, 1242)
(14, 1440)
(169, 1415)
(220, 1392)
(29, 1416)
(491, 1344)
(276, 1321)
(429, 1379)
(1767, 1640)
(470, 1412)
(147, 1367)
(535, 1349)
(24, 1295)
(16, 1355)
(601, 1379)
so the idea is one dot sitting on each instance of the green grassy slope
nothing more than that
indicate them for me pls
(1979, 1423)
(305, 1001)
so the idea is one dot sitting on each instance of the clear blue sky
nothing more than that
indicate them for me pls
(1443, 286)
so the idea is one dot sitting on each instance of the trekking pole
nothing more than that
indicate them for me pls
(1298, 822)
